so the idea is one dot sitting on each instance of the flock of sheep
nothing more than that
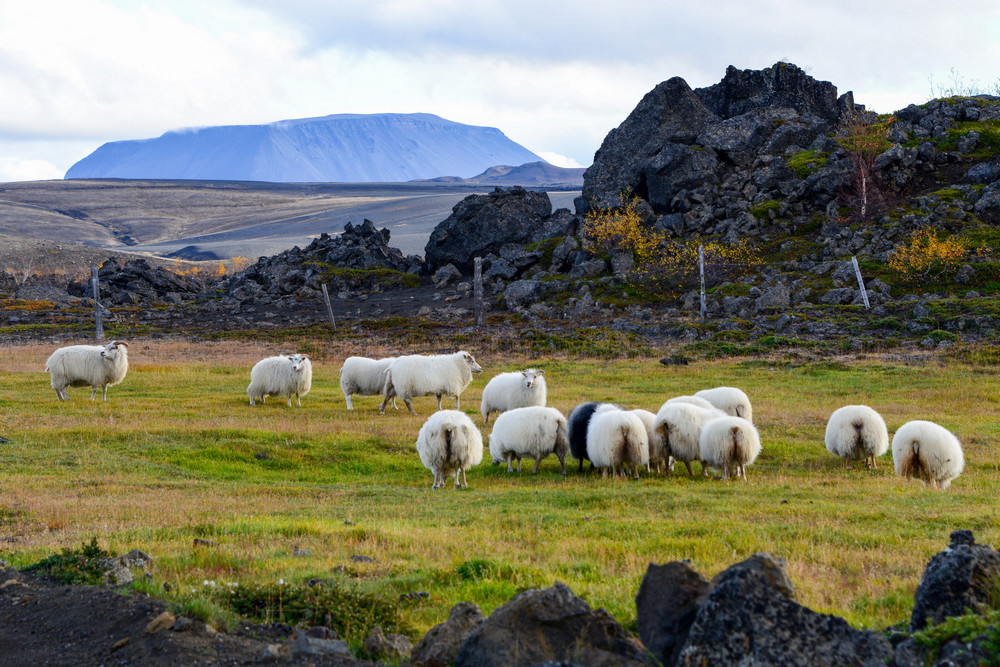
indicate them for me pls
(713, 427)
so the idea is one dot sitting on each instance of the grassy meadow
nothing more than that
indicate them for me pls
(177, 453)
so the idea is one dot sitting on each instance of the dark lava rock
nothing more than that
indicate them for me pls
(954, 581)
(439, 647)
(666, 606)
(481, 224)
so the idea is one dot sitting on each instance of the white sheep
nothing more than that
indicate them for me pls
(364, 377)
(289, 376)
(448, 441)
(857, 432)
(729, 443)
(730, 400)
(432, 375)
(617, 439)
(677, 430)
(531, 432)
(693, 400)
(87, 366)
(927, 451)
(507, 391)
(649, 421)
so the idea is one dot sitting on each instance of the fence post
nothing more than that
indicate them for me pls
(861, 282)
(477, 289)
(329, 307)
(701, 272)
(95, 283)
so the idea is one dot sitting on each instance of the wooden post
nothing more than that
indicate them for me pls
(861, 282)
(701, 272)
(329, 307)
(95, 283)
(477, 290)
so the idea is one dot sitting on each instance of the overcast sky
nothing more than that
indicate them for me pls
(554, 76)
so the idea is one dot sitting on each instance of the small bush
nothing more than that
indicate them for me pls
(926, 255)
(85, 565)
(620, 228)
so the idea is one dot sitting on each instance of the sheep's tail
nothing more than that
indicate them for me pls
(859, 439)
(912, 465)
(661, 433)
(634, 450)
(739, 453)
(447, 442)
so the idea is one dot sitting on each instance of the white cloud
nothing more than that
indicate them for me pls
(560, 160)
(28, 170)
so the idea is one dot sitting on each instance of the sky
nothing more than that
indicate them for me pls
(555, 76)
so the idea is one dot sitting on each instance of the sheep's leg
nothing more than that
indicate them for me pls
(580, 469)
(562, 465)
(725, 470)
(389, 394)
(847, 462)
(289, 400)
(510, 463)
(456, 402)
(687, 464)
(604, 472)
(458, 475)
(635, 470)
(704, 468)
(519, 464)
(298, 400)
(409, 406)
(465, 484)
(538, 462)
(439, 402)
(93, 390)
(351, 407)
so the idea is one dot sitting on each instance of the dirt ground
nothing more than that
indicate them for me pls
(44, 623)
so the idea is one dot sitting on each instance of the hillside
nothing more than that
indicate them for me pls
(341, 148)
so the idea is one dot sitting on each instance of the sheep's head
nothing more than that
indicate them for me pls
(531, 376)
(111, 350)
(298, 361)
(473, 366)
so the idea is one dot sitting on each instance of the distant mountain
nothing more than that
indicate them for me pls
(342, 148)
(530, 174)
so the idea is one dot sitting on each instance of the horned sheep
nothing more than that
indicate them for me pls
(507, 391)
(857, 432)
(364, 377)
(617, 439)
(927, 451)
(87, 366)
(448, 441)
(432, 375)
(729, 443)
(732, 401)
(286, 375)
(531, 432)
(677, 431)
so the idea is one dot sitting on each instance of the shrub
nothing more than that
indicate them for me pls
(865, 136)
(675, 270)
(926, 254)
(85, 565)
(620, 228)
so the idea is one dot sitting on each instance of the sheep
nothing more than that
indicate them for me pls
(87, 366)
(730, 400)
(858, 432)
(365, 377)
(433, 375)
(617, 439)
(281, 376)
(507, 391)
(531, 432)
(676, 432)
(578, 420)
(927, 451)
(649, 421)
(729, 443)
(692, 400)
(447, 441)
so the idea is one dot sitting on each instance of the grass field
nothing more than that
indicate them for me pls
(178, 453)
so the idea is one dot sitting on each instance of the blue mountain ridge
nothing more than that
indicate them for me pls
(340, 148)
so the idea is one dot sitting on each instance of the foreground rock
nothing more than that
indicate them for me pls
(553, 625)
(440, 646)
(956, 581)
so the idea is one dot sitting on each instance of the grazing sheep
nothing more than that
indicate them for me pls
(649, 421)
(857, 432)
(87, 366)
(532, 432)
(364, 377)
(578, 420)
(448, 441)
(729, 443)
(433, 375)
(507, 391)
(289, 376)
(730, 400)
(676, 432)
(927, 451)
(692, 400)
(617, 439)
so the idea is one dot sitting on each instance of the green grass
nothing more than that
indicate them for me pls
(177, 453)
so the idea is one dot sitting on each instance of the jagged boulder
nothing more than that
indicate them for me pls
(440, 646)
(550, 624)
(138, 282)
(481, 224)
(666, 606)
(955, 581)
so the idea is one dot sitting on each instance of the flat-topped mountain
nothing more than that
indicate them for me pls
(341, 148)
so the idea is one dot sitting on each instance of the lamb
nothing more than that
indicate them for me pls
(87, 366)
(617, 439)
(448, 441)
(363, 376)
(677, 430)
(507, 391)
(433, 375)
(729, 443)
(578, 420)
(531, 432)
(730, 400)
(858, 432)
(927, 451)
(281, 376)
